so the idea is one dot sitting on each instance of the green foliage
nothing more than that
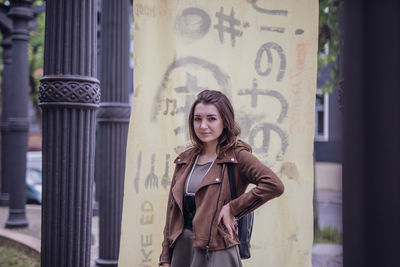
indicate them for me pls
(330, 40)
(35, 2)
(36, 53)
(36, 48)
(328, 235)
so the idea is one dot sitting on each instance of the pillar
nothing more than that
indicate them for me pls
(69, 96)
(17, 123)
(371, 124)
(113, 119)
(6, 101)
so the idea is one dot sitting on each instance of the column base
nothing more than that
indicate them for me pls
(17, 219)
(103, 262)
(4, 199)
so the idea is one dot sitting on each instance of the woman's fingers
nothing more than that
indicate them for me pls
(230, 231)
(228, 220)
(220, 216)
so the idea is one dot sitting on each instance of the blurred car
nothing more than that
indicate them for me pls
(33, 186)
(33, 178)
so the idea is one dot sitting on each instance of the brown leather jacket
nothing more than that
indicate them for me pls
(214, 192)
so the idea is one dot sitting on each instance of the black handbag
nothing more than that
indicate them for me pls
(245, 224)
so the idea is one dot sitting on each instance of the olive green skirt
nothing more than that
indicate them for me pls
(185, 255)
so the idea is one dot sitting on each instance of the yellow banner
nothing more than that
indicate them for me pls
(262, 55)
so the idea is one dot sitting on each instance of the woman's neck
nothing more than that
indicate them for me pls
(209, 149)
(208, 153)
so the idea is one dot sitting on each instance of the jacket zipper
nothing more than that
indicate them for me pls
(215, 213)
(255, 203)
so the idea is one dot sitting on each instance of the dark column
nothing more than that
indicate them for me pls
(69, 95)
(17, 123)
(371, 136)
(96, 170)
(113, 118)
(6, 101)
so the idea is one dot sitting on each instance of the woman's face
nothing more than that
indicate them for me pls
(207, 123)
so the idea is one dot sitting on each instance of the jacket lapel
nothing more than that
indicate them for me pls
(215, 175)
(212, 177)
(186, 163)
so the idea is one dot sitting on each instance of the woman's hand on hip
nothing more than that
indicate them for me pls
(228, 219)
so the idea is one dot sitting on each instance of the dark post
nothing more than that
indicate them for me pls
(113, 118)
(6, 101)
(69, 96)
(17, 124)
(371, 177)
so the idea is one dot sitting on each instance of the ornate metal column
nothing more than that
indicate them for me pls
(113, 118)
(69, 95)
(17, 124)
(6, 101)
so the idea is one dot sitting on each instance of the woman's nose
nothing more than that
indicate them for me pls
(203, 124)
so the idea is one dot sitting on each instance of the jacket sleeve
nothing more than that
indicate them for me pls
(268, 185)
(166, 251)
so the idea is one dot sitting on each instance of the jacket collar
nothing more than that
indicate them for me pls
(186, 156)
(229, 157)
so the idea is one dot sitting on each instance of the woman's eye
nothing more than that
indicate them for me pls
(197, 119)
(212, 118)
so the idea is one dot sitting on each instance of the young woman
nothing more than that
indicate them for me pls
(200, 228)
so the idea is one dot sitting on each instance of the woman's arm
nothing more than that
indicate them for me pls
(268, 185)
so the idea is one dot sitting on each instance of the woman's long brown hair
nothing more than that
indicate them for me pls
(229, 137)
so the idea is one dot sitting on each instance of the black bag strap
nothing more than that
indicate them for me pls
(232, 182)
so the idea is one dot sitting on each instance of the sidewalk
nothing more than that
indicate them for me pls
(328, 183)
(330, 214)
(327, 255)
